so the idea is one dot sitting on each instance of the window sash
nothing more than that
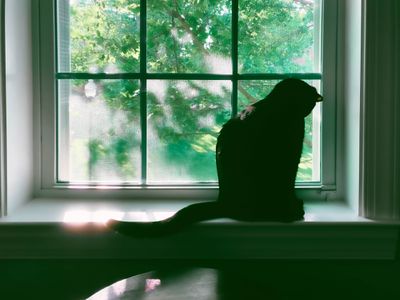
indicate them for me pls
(49, 168)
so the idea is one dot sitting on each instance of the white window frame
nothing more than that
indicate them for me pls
(45, 97)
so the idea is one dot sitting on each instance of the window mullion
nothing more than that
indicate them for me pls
(143, 88)
(235, 33)
(97, 76)
(190, 76)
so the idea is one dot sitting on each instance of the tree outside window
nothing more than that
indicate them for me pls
(143, 93)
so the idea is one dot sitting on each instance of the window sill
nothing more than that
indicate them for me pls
(47, 229)
(75, 211)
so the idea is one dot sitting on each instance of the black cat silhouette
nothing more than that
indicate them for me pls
(257, 156)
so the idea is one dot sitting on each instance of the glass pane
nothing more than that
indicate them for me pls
(309, 167)
(250, 91)
(279, 36)
(98, 36)
(184, 120)
(189, 36)
(99, 131)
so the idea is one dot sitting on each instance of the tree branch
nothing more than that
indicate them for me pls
(199, 45)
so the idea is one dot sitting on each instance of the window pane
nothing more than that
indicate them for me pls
(184, 119)
(189, 36)
(309, 167)
(99, 131)
(98, 36)
(279, 36)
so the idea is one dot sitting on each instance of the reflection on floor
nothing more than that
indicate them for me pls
(70, 279)
(188, 283)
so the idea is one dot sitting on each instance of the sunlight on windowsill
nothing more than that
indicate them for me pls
(102, 216)
(74, 212)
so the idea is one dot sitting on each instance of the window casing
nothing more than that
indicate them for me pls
(53, 74)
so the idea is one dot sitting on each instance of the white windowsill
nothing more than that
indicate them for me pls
(330, 231)
(63, 210)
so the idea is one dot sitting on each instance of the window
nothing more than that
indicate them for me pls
(140, 89)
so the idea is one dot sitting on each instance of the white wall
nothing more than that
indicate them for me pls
(380, 147)
(2, 114)
(19, 123)
(349, 79)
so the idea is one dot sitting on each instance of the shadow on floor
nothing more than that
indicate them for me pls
(72, 279)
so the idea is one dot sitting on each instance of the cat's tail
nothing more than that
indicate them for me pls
(142, 229)
(182, 219)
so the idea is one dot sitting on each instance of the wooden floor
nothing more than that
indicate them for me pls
(71, 279)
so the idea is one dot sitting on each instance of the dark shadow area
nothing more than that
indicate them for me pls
(261, 279)
(257, 162)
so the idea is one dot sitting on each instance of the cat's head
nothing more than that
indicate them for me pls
(297, 95)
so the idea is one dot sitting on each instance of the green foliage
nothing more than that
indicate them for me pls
(274, 34)
(104, 33)
(182, 34)
(186, 36)
(122, 95)
(187, 126)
